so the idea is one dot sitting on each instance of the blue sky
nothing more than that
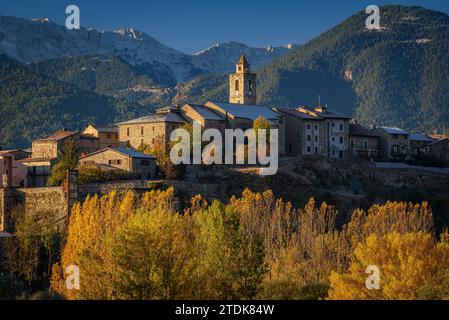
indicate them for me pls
(192, 25)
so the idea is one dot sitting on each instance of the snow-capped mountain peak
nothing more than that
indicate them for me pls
(132, 33)
(29, 41)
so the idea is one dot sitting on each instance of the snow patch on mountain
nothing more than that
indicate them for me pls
(38, 40)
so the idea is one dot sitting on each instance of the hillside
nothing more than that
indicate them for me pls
(400, 73)
(112, 77)
(33, 105)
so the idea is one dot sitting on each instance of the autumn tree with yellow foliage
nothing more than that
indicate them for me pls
(409, 263)
(130, 246)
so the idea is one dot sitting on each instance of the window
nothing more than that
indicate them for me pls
(316, 149)
(250, 85)
(309, 137)
(352, 143)
(109, 136)
(316, 138)
(316, 128)
(341, 127)
(308, 127)
(342, 140)
(115, 162)
(290, 148)
(127, 132)
(333, 124)
(333, 139)
(141, 131)
(237, 85)
(341, 155)
(395, 136)
(365, 145)
(395, 149)
(308, 149)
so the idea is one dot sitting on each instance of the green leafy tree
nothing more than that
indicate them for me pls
(68, 159)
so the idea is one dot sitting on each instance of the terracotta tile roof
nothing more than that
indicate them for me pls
(58, 135)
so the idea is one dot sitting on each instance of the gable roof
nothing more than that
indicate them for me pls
(204, 112)
(394, 130)
(125, 151)
(298, 114)
(155, 118)
(58, 135)
(420, 137)
(329, 114)
(244, 111)
(106, 129)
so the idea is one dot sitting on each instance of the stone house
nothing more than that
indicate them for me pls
(107, 135)
(150, 130)
(88, 144)
(126, 159)
(303, 133)
(394, 144)
(316, 131)
(48, 147)
(364, 143)
(44, 155)
(335, 127)
(419, 145)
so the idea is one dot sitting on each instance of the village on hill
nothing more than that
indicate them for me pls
(303, 131)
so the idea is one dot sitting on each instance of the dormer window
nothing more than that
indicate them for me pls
(237, 85)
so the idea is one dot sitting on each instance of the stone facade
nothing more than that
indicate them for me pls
(151, 130)
(394, 144)
(107, 136)
(316, 131)
(88, 144)
(32, 200)
(136, 162)
(242, 84)
(48, 147)
(364, 143)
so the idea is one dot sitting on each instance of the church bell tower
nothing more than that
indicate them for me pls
(242, 84)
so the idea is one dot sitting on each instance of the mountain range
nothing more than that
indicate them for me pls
(397, 76)
(39, 40)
